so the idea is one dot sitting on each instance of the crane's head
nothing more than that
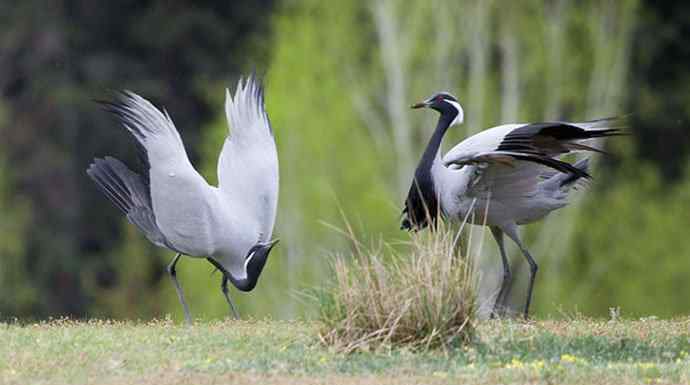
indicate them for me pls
(446, 104)
(254, 263)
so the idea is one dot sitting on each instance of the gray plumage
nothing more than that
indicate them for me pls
(502, 177)
(128, 192)
(174, 207)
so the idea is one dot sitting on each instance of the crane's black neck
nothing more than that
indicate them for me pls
(243, 284)
(422, 203)
(434, 144)
(254, 263)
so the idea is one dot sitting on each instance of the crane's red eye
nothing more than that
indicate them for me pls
(439, 98)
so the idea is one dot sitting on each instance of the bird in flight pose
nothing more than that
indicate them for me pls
(502, 177)
(174, 207)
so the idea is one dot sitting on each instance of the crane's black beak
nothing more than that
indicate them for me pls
(419, 105)
(272, 243)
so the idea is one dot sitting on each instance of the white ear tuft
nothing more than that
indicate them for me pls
(460, 117)
(246, 261)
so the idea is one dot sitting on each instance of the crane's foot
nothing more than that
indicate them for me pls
(224, 288)
(180, 295)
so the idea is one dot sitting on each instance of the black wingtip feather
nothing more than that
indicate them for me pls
(99, 172)
(553, 163)
(127, 191)
(117, 107)
(582, 165)
(605, 132)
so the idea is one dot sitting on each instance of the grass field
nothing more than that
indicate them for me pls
(270, 352)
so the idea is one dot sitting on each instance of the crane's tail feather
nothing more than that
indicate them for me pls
(614, 122)
(564, 181)
(128, 192)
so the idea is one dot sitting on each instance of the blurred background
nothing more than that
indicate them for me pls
(339, 79)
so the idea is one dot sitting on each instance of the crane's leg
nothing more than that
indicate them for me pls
(499, 304)
(180, 295)
(512, 232)
(224, 288)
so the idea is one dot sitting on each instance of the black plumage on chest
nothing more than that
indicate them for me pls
(421, 205)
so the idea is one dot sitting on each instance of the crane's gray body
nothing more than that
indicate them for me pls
(502, 177)
(498, 194)
(174, 206)
(518, 192)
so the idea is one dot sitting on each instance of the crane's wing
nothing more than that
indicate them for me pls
(505, 182)
(173, 199)
(523, 191)
(534, 142)
(154, 130)
(248, 164)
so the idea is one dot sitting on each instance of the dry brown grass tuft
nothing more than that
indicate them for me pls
(421, 298)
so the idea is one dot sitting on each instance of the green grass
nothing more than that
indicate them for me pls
(270, 352)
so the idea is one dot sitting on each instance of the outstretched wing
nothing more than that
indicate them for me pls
(504, 183)
(524, 191)
(181, 201)
(535, 142)
(248, 164)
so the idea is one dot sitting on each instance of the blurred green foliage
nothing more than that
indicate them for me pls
(19, 295)
(55, 60)
(630, 250)
(339, 77)
(327, 160)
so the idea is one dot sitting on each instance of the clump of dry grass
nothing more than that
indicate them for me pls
(422, 297)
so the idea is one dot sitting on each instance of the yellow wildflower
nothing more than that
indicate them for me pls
(568, 358)
(440, 374)
(515, 364)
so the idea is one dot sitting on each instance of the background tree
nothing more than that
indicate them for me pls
(55, 58)
(21, 296)
(339, 78)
